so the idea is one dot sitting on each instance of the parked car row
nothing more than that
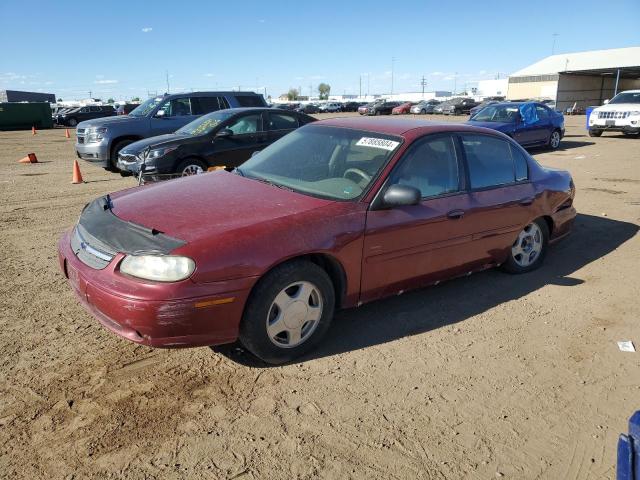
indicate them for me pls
(72, 116)
(320, 107)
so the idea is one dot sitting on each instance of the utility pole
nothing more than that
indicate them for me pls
(89, 93)
(368, 83)
(455, 82)
(167, 78)
(393, 62)
(424, 84)
(553, 46)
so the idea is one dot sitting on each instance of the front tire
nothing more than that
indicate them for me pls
(288, 312)
(595, 133)
(529, 249)
(191, 166)
(72, 122)
(115, 150)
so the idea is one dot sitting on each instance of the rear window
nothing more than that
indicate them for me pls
(281, 121)
(492, 161)
(250, 100)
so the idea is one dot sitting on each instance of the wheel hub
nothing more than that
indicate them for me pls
(295, 315)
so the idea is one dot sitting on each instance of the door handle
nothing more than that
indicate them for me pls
(455, 214)
(526, 201)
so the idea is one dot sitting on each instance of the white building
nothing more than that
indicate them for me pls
(583, 78)
(492, 88)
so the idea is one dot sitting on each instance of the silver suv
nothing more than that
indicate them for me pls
(99, 141)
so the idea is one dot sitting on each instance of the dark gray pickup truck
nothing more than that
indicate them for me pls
(99, 141)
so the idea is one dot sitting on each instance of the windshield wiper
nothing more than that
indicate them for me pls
(269, 182)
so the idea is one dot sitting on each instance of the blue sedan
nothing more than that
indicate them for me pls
(531, 124)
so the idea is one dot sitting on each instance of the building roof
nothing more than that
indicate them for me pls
(596, 61)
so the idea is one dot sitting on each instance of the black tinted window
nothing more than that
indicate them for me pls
(490, 161)
(204, 105)
(281, 121)
(430, 166)
(250, 101)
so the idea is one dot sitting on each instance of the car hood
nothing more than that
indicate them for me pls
(160, 140)
(619, 107)
(199, 207)
(113, 120)
(500, 126)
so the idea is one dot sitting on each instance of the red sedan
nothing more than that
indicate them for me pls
(333, 215)
(402, 109)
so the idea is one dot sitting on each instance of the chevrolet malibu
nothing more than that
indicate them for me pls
(336, 214)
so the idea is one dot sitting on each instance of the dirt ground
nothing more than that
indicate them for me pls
(482, 377)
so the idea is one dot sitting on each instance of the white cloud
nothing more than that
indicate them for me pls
(449, 77)
(105, 82)
(147, 29)
(262, 20)
(436, 74)
(209, 75)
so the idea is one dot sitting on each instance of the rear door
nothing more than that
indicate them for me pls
(248, 137)
(502, 198)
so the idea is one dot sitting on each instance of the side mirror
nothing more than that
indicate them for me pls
(253, 154)
(225, 132)
(401, 196)
(606, 101)
(160, 114)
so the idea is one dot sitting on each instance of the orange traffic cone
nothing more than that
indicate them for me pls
(33, 130)
(66, 133)
(30, 158)
(77, 176)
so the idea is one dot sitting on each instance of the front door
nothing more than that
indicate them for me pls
(410, 246)
(177, 113)
(248, 136)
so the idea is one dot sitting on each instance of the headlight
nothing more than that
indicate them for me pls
(94, 135)
(160, 152)
(634, 113)
(160, 268)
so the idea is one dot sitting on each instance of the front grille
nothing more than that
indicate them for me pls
(614, 115)
(127, 157)
(89, 250)
(80, 139)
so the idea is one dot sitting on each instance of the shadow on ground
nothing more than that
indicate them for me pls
(459, 299)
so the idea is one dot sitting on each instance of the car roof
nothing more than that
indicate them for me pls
(401, 127)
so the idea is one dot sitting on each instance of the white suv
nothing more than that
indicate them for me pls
(621, 114)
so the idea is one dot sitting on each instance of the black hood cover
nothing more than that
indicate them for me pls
(104, 231)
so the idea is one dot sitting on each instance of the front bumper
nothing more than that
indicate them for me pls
(204, 314)
(96, 153)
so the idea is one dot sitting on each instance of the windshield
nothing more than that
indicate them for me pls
(204, 124)
(497, 113)
(327, 162)
(626, 97)
(145, 107)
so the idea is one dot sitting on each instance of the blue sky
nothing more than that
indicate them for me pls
(123, 49)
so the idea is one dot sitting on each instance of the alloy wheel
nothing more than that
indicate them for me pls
(192, 170)
(555, 139)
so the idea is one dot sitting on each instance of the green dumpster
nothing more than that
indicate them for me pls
(23, 116)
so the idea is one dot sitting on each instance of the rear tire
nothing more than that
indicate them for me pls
(294, 297)
(72, 122)
(529, 248)
(554, 140)
(595, 133)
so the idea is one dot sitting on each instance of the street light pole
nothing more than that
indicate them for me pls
(393, 61)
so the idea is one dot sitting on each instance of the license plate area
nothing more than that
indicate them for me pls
(610, 123)
(74, 278)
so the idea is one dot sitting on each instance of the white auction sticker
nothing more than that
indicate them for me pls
(377, 143)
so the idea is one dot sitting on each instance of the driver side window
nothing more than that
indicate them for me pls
(178, 107)
(431, 166)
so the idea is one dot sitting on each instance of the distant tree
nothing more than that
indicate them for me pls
(292, 94)
(135, 99)
(60, 100)
(323, 90)
(111, 100)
